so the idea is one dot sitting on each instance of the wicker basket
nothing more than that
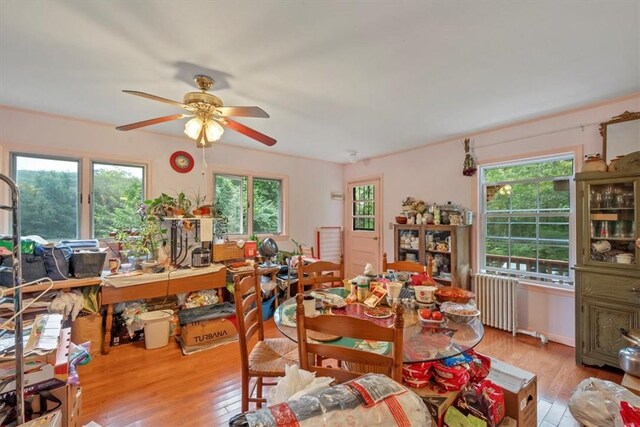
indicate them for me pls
(227, 251)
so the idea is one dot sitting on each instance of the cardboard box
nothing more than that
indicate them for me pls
(71, 408)
(436, 402)
(120, 333)
(206, 332)
(520, 392)
(631, 383)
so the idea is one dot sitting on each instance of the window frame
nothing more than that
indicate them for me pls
(251, 175)
(543, 279)
(84, 227)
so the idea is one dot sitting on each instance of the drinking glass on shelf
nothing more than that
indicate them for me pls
(596, 199)
(607, 197)
(619, 229)
(604, 229)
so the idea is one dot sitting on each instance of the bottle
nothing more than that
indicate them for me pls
(436, 214)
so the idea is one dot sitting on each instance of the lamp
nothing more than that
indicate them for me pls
(213, 130)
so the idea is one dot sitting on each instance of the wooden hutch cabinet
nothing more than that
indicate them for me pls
(448, 245)
(608, 264)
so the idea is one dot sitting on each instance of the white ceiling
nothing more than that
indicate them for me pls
(375, 77)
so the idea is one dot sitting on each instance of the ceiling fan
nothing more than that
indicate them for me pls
(208, 115)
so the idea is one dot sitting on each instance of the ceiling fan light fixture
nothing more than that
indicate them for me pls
(214, 130)
(193, 127)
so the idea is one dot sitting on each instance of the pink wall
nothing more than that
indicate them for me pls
(434, 174)
(310, 181)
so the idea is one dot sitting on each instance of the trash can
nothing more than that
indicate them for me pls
(156, 328)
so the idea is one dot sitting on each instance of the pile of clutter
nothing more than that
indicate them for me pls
(478, 398)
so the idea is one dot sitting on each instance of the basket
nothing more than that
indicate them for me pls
(87, 264)
(227, 251)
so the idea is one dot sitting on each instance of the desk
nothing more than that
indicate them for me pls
(174, 283)
(420, 343)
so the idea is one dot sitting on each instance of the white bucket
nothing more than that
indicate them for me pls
(156, 328)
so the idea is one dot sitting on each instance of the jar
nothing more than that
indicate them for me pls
(363, 292)
(594, 163)
(612, 164)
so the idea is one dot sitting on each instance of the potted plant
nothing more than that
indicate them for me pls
(183, 204)
(144, 239)
(200, 209)
(162, 206)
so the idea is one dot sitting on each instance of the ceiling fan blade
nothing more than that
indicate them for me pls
(243, 112)
(156, 98)
(251, 133)
(157, 120)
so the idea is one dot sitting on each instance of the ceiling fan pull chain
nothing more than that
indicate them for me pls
(204, 162)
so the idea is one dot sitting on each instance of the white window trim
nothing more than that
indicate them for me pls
(568, 284)
(85, 179)
(284, 234)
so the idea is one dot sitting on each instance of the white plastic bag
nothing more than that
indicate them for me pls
(596, 403)
(296, 383)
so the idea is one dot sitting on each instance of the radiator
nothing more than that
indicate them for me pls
(496, 297)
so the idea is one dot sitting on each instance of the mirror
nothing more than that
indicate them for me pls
(620, 135)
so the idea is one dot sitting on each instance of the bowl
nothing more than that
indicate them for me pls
(401, 220)
(461, 318)
(460, 313)
(629, 359)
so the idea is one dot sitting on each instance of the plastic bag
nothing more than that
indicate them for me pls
(369, 400)
(596, 403)
(296, 383)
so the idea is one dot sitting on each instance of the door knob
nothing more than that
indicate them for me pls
(375, 238)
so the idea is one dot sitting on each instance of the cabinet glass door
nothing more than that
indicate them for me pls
(612, 222)
(409, 245)
(438, 247)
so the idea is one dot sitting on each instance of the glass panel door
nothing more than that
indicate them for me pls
(612, 221)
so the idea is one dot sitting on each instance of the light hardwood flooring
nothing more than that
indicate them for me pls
(136, 387)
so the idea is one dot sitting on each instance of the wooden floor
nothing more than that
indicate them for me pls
(134, 386)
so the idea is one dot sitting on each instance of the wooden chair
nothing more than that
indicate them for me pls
(351, 327)
(268, 356)
(319, 273)
(412, 266)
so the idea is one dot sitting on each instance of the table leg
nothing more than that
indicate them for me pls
(106, 345)
(220, 294)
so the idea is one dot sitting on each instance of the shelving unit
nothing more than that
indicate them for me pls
(16, 261)
(608, 264)
(420, 242)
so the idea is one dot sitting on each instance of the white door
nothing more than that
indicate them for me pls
(363, 226)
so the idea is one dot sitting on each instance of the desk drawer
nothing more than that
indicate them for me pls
(111, 295)
(197, 283)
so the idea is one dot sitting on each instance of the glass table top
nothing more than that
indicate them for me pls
(422, 343)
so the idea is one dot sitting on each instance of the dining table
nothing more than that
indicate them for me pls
(422, 341)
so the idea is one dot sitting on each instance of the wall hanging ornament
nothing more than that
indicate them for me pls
(469, 167)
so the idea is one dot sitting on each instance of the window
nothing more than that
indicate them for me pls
(117, 193)
(364, 208)
(49, 196)
(62, 199)
(525, 212)
(252, 205)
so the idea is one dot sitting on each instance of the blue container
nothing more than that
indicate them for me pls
(268, 307)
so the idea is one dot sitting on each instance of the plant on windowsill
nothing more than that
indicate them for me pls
(220, 222)
(145, 238)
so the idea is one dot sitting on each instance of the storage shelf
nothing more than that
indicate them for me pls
(60, 284)
(438, 252)
(409, 249)
(616, 239)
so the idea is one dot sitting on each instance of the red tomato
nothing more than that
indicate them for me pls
(425, 313)
(436, 315)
